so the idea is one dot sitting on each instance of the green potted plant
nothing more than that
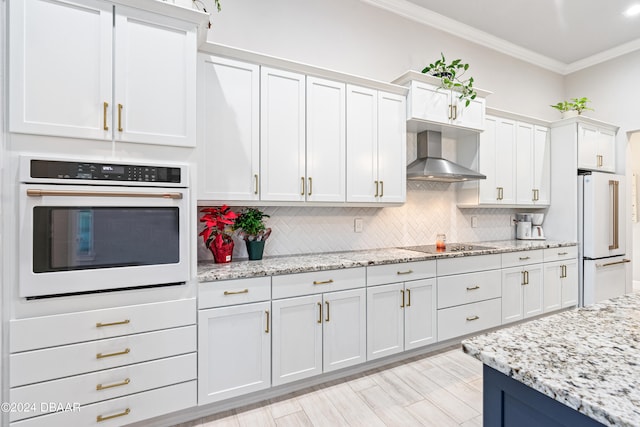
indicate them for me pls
(218, 228)
(572, 108)
(251, 228)
(450, 75)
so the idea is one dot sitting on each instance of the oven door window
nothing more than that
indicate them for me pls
(83, 238)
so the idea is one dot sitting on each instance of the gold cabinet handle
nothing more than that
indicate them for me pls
(473, 288)
(525, 277)
(472, 318)
(122, 322)
(455, 112)
(105, 106)
(244, 291)
(302, 191)
(322, 282)
(563, 271)
(328, 316)
(381, 188)
(310, 186)
(266, 329)
(120, 118)
(600, 160)
(524, 258)
(119, 353)
(536, 195)
(101, 418)
(615, 214)
(450, 115)
(404, 272)
(121, 383)
(376, 195)
(408, 297)
(255, 181)
(319, 312)
(563, 253)
(402, 292)
(500, 193)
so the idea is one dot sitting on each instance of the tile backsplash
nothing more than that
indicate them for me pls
(430, 209)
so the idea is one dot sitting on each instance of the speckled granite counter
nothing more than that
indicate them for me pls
(271, 266)
(587, 359)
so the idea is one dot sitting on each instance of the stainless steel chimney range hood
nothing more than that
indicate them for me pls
(430, 166)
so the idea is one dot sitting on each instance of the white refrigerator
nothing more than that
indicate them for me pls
(601, 234)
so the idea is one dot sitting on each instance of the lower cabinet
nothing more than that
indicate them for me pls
(521, 292)
(400, 316)
(560, 284)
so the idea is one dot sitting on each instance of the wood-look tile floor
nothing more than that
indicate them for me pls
(439, 389)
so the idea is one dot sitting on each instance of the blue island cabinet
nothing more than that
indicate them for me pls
(510, 403)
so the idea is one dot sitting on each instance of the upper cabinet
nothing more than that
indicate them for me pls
(431, 107)
(596, 147)
(129, 77)
(533, 165)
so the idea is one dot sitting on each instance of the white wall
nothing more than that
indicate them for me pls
(635, 226)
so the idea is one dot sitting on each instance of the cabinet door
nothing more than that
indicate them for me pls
(60, 80)
(282, 135)
(607, 149)
(326, 133)
(155, 79)
(228, 150)
(532, 303)
(362, 144)
(497, 161)
(234, 351)
(471, 116)
(524, 163)
(587, 147)
(570, 284)
(542, 165)
(430, 102)
(392, 148)
(344, 330)
(553, 273)
(512, 294)
(420, 313)
(297, 338)
(385, 320)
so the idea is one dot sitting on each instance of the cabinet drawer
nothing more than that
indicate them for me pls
(468, 264)
(560, 254)
(123, 410)
(401, 272)
(107, 384)
(292, 285)
(469, 318)
(232, 292)
(515, 259)
(49, 331)
(51, 363)
(466, 288)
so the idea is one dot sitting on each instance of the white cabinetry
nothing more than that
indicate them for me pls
(596, 148)
(533, 165)
(319, 324)
(400, 316)
(376, 146)
(522, 293)
(102, 78)
(228, 129)
(95, 358)
(234, 340)
(560, 278)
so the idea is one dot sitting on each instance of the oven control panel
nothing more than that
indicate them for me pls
(88, 171)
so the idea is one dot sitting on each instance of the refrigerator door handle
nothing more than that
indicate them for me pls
(624, 261)
(613, 184)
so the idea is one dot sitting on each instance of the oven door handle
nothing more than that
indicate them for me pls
(32, 192)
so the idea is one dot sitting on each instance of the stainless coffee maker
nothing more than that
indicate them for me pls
(529, 226)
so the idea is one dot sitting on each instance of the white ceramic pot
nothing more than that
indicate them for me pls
(569, 114)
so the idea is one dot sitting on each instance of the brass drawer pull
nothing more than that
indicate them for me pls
(376, 195)
(405, 272)
(267, 328)
(104, 387)
(408, 297)
(563, 253)
(244, 291)
(524, 258)
(473, 288)
(255, 178)
(310, 187)
(119, 353)
(525, 277)
(105, 105)
(402, 292)
(472, 318)
(120, 118)
(381, 188)
(302, 181)
(322, 282)
(319, 312)
(328, 316)
(102, 325)
(101, 418)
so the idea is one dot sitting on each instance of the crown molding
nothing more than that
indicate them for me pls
(424, 16)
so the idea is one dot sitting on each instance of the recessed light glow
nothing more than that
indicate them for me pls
(632, 11)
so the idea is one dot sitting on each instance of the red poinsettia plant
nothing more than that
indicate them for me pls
(218, 225)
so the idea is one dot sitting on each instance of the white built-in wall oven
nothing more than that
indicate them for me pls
(90, 227)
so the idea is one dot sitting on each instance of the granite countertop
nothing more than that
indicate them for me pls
(587, 359)
(270, 266)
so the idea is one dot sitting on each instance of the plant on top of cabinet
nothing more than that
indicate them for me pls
(576, 105)
(450, 75)
(218, 226)
(200, 3)
(253, 231)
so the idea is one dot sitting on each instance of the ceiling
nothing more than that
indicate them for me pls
(561, 35)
